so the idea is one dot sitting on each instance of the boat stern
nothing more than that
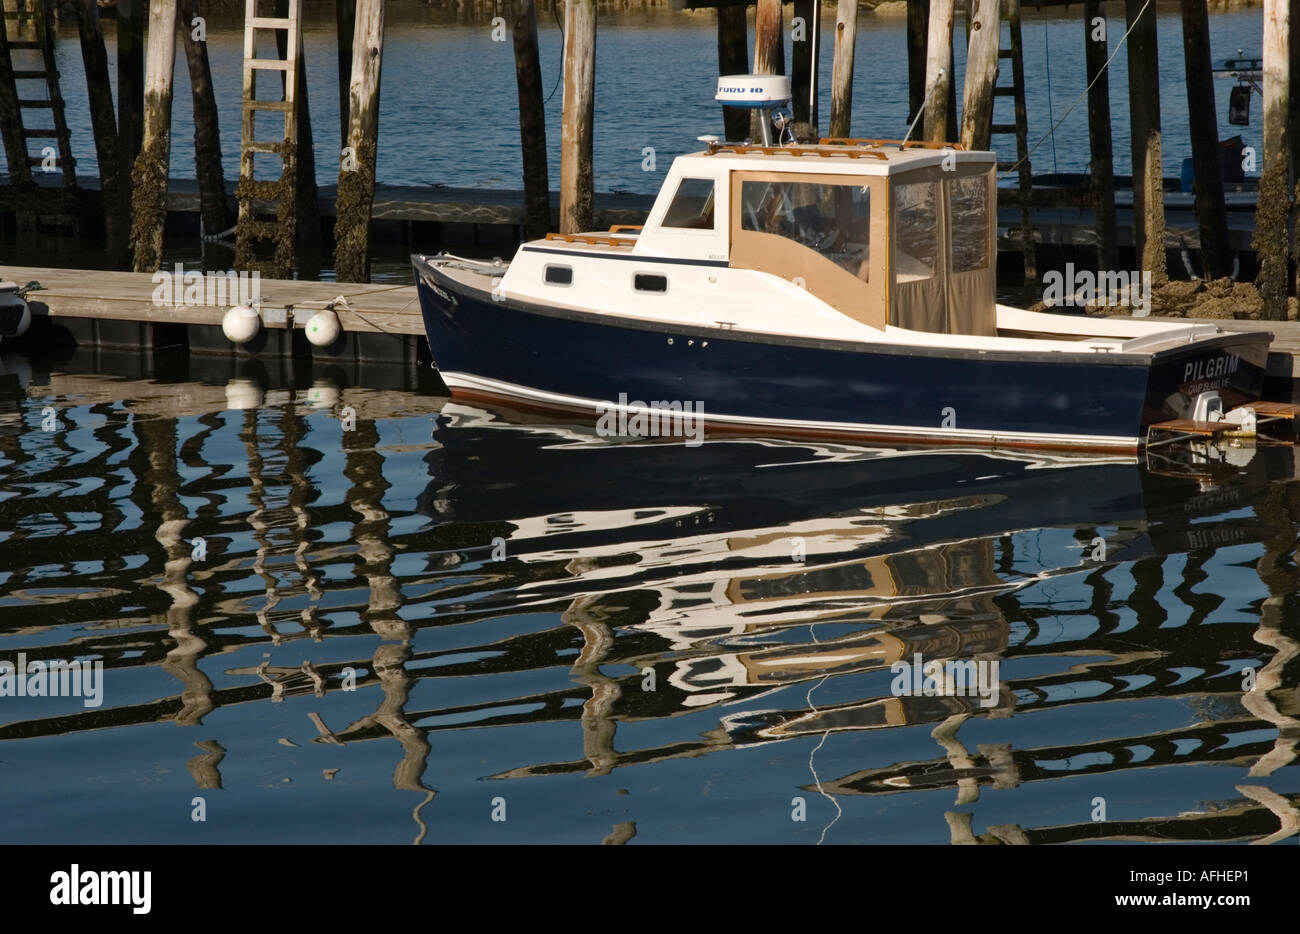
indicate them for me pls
(1230, 364)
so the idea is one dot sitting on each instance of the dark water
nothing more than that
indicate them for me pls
(667, 643)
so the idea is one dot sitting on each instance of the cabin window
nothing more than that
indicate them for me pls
(692, 205)
(916, 231)
(834, 219)
(559, 275)
(968, 213)
(649, 282)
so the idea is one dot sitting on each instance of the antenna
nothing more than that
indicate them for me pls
(924, 104)
(812, 68)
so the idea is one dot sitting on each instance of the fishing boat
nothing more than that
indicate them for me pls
(842, 289)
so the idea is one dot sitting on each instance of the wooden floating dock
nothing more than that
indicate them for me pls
(380, 322)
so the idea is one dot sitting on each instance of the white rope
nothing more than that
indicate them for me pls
(1104, 69)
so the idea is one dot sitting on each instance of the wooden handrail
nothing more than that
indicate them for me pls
(619, 228)
(824, 151)
(910, 144)
(595, 239)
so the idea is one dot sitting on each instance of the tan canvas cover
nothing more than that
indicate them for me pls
(951, 300)
(862, 297)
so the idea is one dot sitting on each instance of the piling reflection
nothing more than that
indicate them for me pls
(434, 574)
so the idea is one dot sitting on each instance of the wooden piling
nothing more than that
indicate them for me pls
(950, 112)
(981, 74)
(846, 37)
(1101, 168)
(357, 174)
(103, 122)
(1271, 234)
(769, 45)
(577, 194)
(149, 176)
(532, 121)
(1211, 213)
(1144, 128)
(1023, 167)
(1293, 163)
(207, 136)
(938, 71)
(306, 206)
(805, 50)
(345, 19)
(130, 84)
(733, 59)
(769, 53)
(16, 154)
(918, 30)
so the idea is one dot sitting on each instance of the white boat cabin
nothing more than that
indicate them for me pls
(858, 240)
(869, 231)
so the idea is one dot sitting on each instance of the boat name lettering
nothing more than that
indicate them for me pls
(1212, 368)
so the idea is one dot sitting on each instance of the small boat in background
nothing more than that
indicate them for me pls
(843, 289)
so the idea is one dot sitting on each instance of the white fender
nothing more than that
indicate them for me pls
(241, 324)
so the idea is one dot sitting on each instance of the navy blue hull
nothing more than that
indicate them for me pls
(809, 386)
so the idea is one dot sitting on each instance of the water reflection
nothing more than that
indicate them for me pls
(518, 610)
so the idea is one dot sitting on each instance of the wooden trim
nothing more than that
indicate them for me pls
(862, 141)
(597, 239)
(818, 150)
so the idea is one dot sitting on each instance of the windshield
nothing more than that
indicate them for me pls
(831, 218)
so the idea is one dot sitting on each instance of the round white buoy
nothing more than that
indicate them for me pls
(243, 394)
(323, 394)
(241, 324)
(323, 328)
(15, 316)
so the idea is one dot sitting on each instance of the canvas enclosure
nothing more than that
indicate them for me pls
(943, 248)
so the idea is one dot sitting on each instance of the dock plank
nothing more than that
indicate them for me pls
(129, 296)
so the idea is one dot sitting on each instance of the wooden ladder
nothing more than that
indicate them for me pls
(253, 226)
(1020, 129)
(35, 199)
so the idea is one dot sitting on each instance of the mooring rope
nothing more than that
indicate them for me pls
(555, 11)
(1104, 69)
